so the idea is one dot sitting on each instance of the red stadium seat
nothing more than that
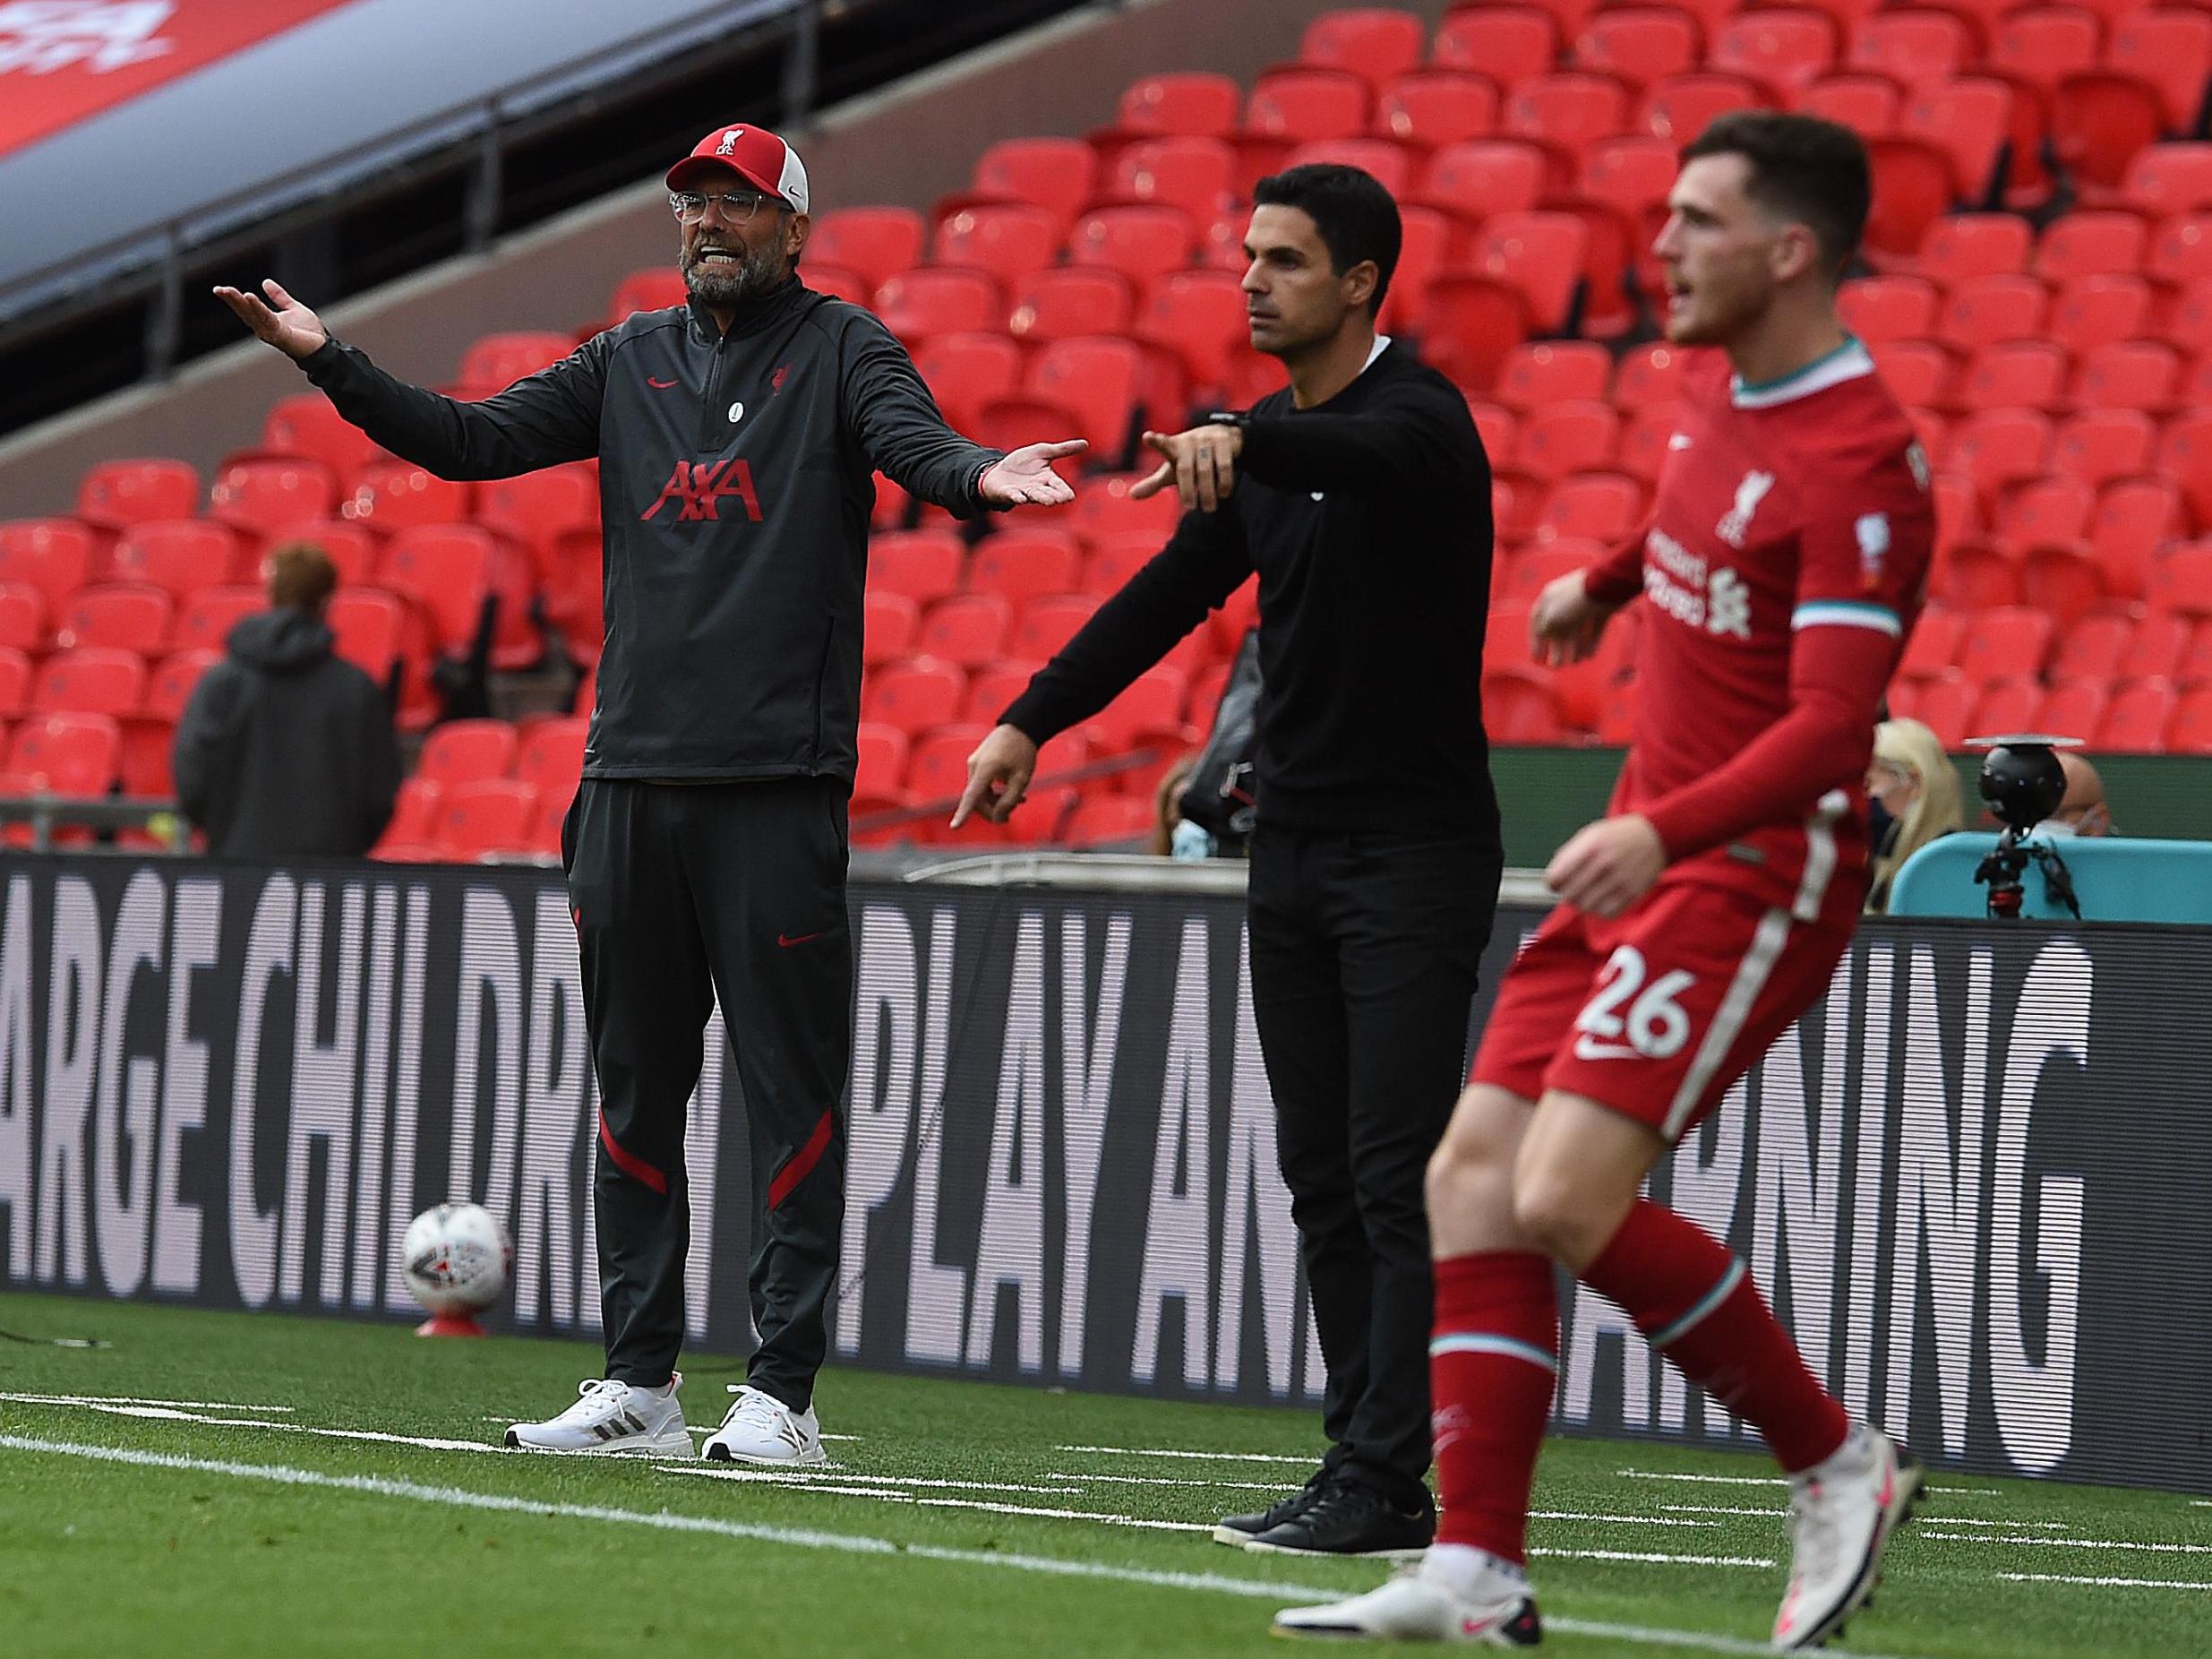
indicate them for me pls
(1055, 174)
(1006, 241)
(66, 754)
(176, 555)
(1389, 163)
(967, 628)
(1631, 174)
(1999, 447)
(2092, 647)
(876, 242)
(2137, 719)
(937, 767)
(1112, 561)
(1538, 257)
(446, 570)
(1867, 104)
(351, 548)
(1638, 44)
(880, 773)
(1197, 176)
(1437, 107)
(2185, 454)
(1567, 112)
(549, 756)
(2171, 50)
(1988, 310)
(2180, 583)
(2073, 708)
(1190, 102)
(129, 616)
(1595, 506)
(1473, 322)
(965, 371)
(1371, 42)
(2046, 511)
(114, 493)
(536, 508)
(661, 287)
(92, 680)
(1149, 711)
(1547, 372)
(1971, 120)
(1140, 242)
(936, 300)
(2014, 374)
(370, 630)
(839, 283)
(1683, 106)
(924, 565)
(255, 498)
(1915, 48)
(2041, 45)
(2101, 445)
(2004, 643)
(1101, 380)
(492, 815)
(466, 751)
(51, 556)
(1481, 176)
(1561, 438)
(992, 689)
(169, 687)
(306, 425)
(396, 495)
(1933, 646)
(1964, 245)
(1649, 376)
(210, 614)
(2128, 374)
(1047, 623)
(15, 680)
(2093, 312)
(1200, 316)
(1061, 302)
(2181, 250)
(1108, 821)
(889, 621)
(2166, 179)
(2190, 732)
(1507, 43)
(2100, 121)
(1882, 309)
(1105, 509)
(1642, 449)
(1299, 104)
(1787, 49)
(2010, 706)
(2135, 519)
(915, 695)
(1022, 564)
(1913, 189)
(496, 361)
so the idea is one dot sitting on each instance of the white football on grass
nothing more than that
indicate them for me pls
(456, 1257)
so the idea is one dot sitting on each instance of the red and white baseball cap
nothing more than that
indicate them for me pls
(751, 153)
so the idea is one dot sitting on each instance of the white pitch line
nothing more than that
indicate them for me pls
(1615, 1520)
(1204, 1456)
(133, 1399)
(1169, 1480)
(1655, 1558)
(1776, 1479)
(1948, 1520)
(844, 1544)
(813, 1478)
(1101, 1518)
(2075, 1543)
(2116, 1584)
(162, 1414)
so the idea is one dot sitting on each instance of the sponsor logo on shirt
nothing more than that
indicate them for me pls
(700, 487)
(1686, 588)
(1735, 524)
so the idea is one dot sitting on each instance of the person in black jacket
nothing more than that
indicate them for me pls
(285, 750)
(1361, 497)
(706, 852)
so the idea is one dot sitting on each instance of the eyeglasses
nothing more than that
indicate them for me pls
(737, 208)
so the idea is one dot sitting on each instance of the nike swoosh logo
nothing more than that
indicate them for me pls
(658, 385)
(788, 940)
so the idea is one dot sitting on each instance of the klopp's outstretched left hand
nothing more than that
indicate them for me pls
(1025, 478)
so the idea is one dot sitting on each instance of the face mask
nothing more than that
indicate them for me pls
(1881, 826)
(2057, 830)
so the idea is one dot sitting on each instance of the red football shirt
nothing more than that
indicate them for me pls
(1783, 566)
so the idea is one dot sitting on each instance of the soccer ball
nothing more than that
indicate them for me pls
(456, 1257)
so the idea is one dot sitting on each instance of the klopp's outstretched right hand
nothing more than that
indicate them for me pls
(291, 328)
(998, 775)
(1564, 622)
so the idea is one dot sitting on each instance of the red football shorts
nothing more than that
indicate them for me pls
(1655, 1012)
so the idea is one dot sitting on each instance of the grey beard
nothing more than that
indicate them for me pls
(753, 273)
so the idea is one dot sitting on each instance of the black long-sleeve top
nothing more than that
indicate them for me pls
(735, 488)
(1368, 518)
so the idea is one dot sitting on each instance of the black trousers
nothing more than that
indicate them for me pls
(685, 893)
(1365, 951)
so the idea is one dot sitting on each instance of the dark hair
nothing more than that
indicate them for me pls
(1357, 218)
(1802, 167)
(301, 577)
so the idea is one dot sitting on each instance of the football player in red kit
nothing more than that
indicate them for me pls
(1783, 567)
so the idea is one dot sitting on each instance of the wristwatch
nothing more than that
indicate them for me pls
(1237, 419)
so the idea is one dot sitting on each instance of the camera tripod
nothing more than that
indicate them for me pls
(2007, 861)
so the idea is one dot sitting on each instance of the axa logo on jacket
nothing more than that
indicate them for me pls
(700, 487)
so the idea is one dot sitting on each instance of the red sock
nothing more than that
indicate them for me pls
(1493, 1363)
(1697, 1305)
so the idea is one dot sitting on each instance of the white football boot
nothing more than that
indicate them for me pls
(760, 1428)
(614, 1419)
(1842, 1514)
(1448, 1596)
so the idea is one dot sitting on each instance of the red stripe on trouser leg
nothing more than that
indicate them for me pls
(1497, 1324)
(635, 1167)
(803, 1160)
(1663, 1271)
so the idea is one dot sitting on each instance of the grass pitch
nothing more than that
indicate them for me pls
(249, 1484)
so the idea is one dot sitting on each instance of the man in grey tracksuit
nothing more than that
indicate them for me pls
(706, 852)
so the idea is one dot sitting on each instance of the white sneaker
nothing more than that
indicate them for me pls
(1842, 1514)
(1489, 1606)
(612, 1418)
(761, 1429)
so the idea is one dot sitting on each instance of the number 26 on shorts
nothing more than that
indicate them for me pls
(1654, 1025)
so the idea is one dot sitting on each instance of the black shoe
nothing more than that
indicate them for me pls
(1238, 1530)
(1350, 1518)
